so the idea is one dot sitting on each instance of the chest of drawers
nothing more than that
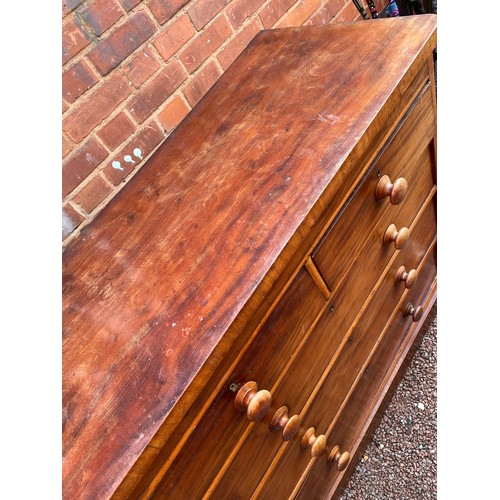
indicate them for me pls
(234, 317)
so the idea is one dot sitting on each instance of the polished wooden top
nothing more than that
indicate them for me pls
(153, 284)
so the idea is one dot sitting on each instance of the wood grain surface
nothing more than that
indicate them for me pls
(152, 286)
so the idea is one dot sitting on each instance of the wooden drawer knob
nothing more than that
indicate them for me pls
(342, 459)
(399, 237)
(282, 422)
(255, 403)
(396, 191)
(415, 313)
(409, 277)
(317, 444)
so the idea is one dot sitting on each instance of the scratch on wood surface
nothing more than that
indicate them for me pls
(331, 119)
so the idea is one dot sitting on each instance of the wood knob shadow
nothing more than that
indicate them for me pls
(317, 443)
(398, 237)
(415, 313)
(408, 277)
(282, 422)
(341, 459)
(395, 191)
(255, 403)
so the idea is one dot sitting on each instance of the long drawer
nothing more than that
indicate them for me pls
(406, 155)
(309, 364)
(347, 431)
(324, 344)
(345, 368)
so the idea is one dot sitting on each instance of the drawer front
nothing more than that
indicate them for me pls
(219, 431)
(407, 155)
(347, 365)
(326, 340)
(358, 413)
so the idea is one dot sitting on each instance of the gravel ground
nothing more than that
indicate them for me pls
(401, 461)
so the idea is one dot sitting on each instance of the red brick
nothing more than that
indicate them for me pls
(69, 5)
(66, 146)
(113, 49)
(202, 83)
(348, 13)
(130, 4)
(326, 13)
(204, 45)
(271, 13)
(146, 140)
(202, 11)
(173, 113)
(240, 10)
(158, 90)
(234, 48)
(74, 38)
(93, 108)
(80, 164)
(101, 15)
(173, 37)
(92, 194)
(71, 219)
(77, 80)
(299, 14)
(140, 67)
(163, 10)
(116, 131)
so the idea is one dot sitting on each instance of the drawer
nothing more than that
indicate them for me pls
(220, 430)
(350, 359)
(372, 386)
(320, 347)
(407, 154)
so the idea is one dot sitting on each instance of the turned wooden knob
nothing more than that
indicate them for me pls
(396, 191)
(342, 459)
(255, 403)
(409, 277)
(399, 237)
(415, 313)
(282, 422)
(317, 444)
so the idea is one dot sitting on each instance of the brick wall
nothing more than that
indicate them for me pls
(132, 70)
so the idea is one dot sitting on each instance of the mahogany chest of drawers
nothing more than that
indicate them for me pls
(234, 317)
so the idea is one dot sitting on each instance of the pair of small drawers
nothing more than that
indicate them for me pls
(316, 364)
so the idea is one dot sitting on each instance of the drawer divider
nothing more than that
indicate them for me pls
(317, 278)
